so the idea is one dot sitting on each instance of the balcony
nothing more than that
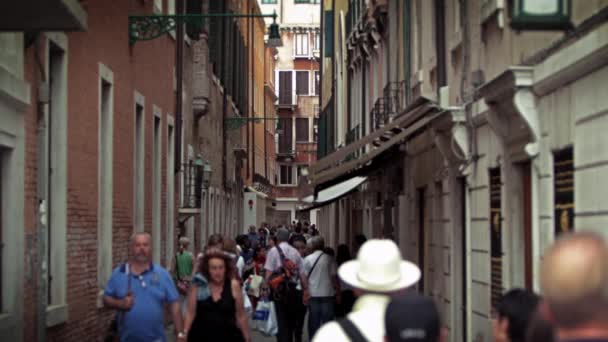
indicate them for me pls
(193, 184)
(389, 105)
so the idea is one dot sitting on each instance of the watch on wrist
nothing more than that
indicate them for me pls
(181, 334)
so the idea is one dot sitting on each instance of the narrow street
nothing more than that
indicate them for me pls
(145, 144)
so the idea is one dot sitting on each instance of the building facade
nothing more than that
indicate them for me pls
(297, 87)
(87, 125)
(469, 136)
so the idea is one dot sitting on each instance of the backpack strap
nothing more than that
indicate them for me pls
(351, 330)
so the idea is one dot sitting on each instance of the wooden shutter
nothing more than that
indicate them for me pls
(285, 89)
(302, 129)
(563, 171)
(302, 82)
(286, 139)
(495, 235)
(328, 44)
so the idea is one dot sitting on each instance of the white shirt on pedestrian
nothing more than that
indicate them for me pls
(273, 258)
(367, 316)
(320, 280)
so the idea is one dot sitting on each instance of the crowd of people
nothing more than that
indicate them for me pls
(366, 295)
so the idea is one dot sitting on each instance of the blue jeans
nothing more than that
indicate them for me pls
(320, 311)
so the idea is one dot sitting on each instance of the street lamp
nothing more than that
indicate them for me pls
(207, 172)
(541, 15)
(274, 36)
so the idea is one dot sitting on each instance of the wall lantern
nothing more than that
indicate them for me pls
(274, 36)
(541, 15)
(207, 172)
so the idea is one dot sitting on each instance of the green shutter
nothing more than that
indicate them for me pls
(328, 44)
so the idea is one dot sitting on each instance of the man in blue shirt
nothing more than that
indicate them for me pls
(140, 290)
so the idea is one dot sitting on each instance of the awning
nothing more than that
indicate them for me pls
(337, 165)
(333, 193)
(253, 190)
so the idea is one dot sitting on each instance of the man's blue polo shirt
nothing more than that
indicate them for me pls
(151, 290)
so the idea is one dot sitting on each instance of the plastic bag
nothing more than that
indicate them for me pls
(247, 303)
(265, 318)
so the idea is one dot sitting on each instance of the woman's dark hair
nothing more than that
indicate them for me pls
(215, 253)
(329, 251)
(360, 239)
(214, 240)
(343, 254)
(296, 237)
(518, 306)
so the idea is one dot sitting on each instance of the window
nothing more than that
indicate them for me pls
(56, 172)
(317, 82)
(105, 174)
(170, 7)
(139, 167)
(156, 186)
(315, 129)
(302, 83)
(286, 175)
(563, 187)
(302, 129)
(286, 137)
(285, 87)
(301, 45)
(264, 2)
(302, 1)
(317, 42)
(158, 6)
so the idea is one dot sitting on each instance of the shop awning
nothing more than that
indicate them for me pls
(338, 164)
(333, 193)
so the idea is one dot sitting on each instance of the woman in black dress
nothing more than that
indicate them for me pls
(215, 303)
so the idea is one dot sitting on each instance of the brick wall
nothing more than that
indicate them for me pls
(147, 67)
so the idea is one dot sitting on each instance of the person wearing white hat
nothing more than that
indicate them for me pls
(378, 275)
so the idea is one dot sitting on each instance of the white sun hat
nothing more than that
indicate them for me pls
(379, 268)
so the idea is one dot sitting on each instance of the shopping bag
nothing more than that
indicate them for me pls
(252, 285)
(247, 303)
(265, 318)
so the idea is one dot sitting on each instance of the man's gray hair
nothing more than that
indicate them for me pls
(316, 243)
(136, 234)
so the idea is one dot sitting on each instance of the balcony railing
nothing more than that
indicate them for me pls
(379, 113)
(394, 98)
(193, 182)
(353, 135)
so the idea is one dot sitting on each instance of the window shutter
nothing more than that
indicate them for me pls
(285, 89)
(302, 82)
(302, 129)
(495, 236)
(328, 44)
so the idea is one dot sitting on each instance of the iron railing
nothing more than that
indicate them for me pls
(353, 135)
(379, 114)
(193, 183)
(394, 98)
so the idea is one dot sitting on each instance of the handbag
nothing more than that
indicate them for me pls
(182, 285)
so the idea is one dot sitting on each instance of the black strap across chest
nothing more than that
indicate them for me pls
(351, 330)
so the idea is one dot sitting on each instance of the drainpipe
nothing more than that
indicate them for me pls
(265, 119)
(42, 182)
(252, 95)
(407, 51)
(179, 72)
(224, 101)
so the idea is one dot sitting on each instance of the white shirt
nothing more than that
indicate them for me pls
(240, 264)
(367, 315)
(320, 280)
